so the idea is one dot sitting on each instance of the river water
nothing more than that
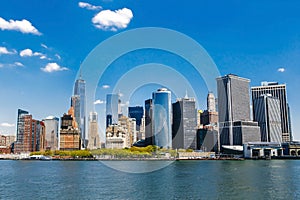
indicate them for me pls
(263, 179)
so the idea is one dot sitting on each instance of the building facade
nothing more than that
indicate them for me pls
(52, 133)
(149, 139)
(79, 90)
(69, 132)
(161, 118)
(184, 124)
(266, 111)
(278, 91)
(235, 126)
(112, 109)
(94, 139)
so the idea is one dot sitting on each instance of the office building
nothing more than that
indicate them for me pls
(112, 109)
(266, 111)
(52, 133)
(235, 127)
(149, 140)
(207, 139)
(69, 132)
(94, 139)
(75, 103)
(30, 133)
(161, 118)
(184, 124)
(278, 91)
(137, 112)
(79, 90)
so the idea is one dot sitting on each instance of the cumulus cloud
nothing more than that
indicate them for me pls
(5, 124)
(29, 53)
(281, 69)
(105, 86)
(23, 26)
(4, 50)
(18, 64)
(53, 67)
(88, 6)
(112, 20)
(99, 102)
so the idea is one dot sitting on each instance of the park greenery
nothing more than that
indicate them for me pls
(150, 151)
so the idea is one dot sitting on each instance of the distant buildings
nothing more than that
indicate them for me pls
(51, 133)
(266, 111)
(184, 124)
(137, 112)
(278, 91)
(30, 133)
(69, 132)
(94, 139)
(79, 90)
(235, 127)
(112, 109)
(121, 135)
(161, 118)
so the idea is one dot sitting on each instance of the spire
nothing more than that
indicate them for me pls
(186, 95)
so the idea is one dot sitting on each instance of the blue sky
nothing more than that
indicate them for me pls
(41, 55)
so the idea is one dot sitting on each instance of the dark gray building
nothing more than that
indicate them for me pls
(207, 139)
(148, 122)
(184, 124)
(235, 126)
(136, 112)
(279, 91)
(266, 111)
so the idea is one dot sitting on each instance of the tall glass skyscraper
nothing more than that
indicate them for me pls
(112, 109)
(148, 122)
(161, 118)
(279, 91)
(79, 90)
(136, 112)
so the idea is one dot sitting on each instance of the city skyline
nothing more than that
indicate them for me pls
(243, 46)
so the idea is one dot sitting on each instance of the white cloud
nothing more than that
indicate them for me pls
(7, 124)
(57, 56)
(99, 102)
(105, 86)
(113, 20)
(4, 50)
(1, 65)
(281, 69)
(88, 6)
(44, 46)
(53, 67)
(18, 64)
(24, 26)
(29, 53)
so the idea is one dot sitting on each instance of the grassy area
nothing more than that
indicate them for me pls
(137, 152)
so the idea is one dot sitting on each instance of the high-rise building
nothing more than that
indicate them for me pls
(137, 112)
(211, 102)
(161, 118)
(279, 91)
(79, 90)
(184, 124)
(266, 111)
(235, 127)
(30, 133)
(75, 103)
(94, 139)
(52, 133)
(112, 109)
(148, 122)
(69, 132)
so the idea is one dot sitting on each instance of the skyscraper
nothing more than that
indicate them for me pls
(136, 112)
(148, 122)
(184, 124)
(161, 118)
(235, 127)
(52, 134)
(266, 111)
(211, 102)
(75, 103)
(79, 90)
(94, 140)
(112, 109)
(279, 91)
